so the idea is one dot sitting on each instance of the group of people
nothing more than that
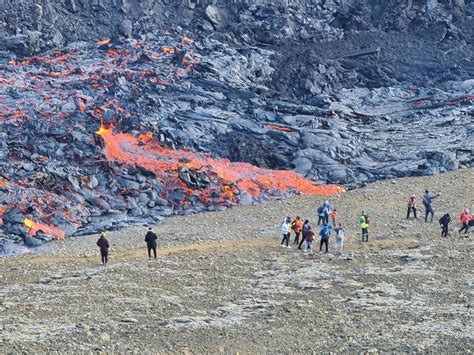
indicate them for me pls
(326, 211)
(466, 219)
(305, 230)
(103, 244)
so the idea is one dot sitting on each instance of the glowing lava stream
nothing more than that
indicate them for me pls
(51, 230)
(165, 162)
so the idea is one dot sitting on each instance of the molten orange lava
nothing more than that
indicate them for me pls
(164, 162)
(278, 128)
(2, 211)
(36, 227)
(186, 39)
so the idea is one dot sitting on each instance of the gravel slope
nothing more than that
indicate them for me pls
(221, 283)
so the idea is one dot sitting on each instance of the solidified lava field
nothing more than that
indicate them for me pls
(175, 108)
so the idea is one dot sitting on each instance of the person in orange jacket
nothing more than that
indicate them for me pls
(334, 214)
(297, 226)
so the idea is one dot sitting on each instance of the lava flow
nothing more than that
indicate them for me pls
(36, 227)
(231, 178)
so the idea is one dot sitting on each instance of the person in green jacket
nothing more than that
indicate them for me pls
(364, 225)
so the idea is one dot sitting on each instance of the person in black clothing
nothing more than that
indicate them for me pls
(103, 243)
(150, 239)
(444, 222)
(306, 227)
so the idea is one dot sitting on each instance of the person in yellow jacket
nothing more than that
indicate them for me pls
(364, 225)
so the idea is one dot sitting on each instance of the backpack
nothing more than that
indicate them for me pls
(320, 210)
(326, 233)
(445, 219)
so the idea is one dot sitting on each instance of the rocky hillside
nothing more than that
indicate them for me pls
(222, 284)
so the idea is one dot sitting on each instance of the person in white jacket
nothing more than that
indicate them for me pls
(285, 231)
(339, 240)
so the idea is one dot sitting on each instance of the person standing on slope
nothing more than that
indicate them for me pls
(444, 222)
(464, 218)
(427, 200)
(309, 240)
(306, 227)
(320, 213)
(324, 233)
(104, 246)
(334, 214)
(150, 239)
(326, 210)
(411, 205)
(364, 225)
(285, 231)
(297, 227)
(339, 240)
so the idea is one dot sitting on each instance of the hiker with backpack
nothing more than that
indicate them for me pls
(339, 240)
(297, 226)
(427, 200)
(411, 205)
(304, 230)
(364, 225)
(444, 222)
(320, 213)
(323, 213)
(285, 231)
(324, 233)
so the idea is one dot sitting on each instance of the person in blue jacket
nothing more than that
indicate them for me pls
(427, 200)
(324, 233)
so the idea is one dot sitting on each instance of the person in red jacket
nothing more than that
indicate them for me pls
(411, 205)
(464, 218)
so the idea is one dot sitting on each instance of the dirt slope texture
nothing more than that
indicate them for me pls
(222, 284)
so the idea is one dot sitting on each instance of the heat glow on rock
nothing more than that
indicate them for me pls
(232, 177)
(36, 227)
